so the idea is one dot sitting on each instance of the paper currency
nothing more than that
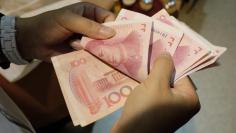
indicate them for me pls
(189, 50)
(97, 80)
(91, 88)
(164, 37)
(215, 53)
(127, 51)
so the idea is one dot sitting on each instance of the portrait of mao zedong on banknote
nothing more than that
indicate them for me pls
(122, 53)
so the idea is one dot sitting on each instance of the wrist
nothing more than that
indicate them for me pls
(8, 40)
(22, 38)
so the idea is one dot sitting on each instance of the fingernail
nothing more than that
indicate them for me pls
(110, 18)
(107, 32)
(76, 45)
(165, 54)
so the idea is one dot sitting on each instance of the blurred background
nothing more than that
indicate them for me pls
(216, 86)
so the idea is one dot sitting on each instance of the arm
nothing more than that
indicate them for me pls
(154, 106)
(49, 34)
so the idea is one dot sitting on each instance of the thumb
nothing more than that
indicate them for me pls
(78, 24)
(162, 71)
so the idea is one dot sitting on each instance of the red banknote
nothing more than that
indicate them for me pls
(97, 80)
(127, 51)
(91, 88)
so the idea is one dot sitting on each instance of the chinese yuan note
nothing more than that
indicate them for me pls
(215, 53)
(164, 37)
(97, 80)
(91, 88)
(189, 50)
(127, 51)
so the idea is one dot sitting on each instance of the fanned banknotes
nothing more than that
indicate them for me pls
(127, 51)
(97, 80)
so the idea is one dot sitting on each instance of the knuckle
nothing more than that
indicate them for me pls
(94, 28)
(156, 83)
(166, 61)
(111, 15)
(146, 84)
(61, 16)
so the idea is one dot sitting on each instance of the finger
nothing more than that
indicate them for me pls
(92, 12)
(76, 44)
(185, 92)
(185, 86)
(97, 13)
(106, 4)
(84, 26)
(103, 15)
(161, 72)
(185, 82)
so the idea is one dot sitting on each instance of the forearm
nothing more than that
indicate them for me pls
(23, 36)
(8, 42)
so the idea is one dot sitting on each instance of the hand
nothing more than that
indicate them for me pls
(154, 107)
(107, 4)
(50, 34)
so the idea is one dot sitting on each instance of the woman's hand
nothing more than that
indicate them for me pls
(155, 107)
(50, 34)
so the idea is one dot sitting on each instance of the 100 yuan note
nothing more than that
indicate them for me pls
(216, 51)
(90, 88)
(127, 51)
(189, 50)
(164, 37)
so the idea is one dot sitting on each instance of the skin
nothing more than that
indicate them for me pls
(47, 35)
(50, 34)
(152, 107)
(155, 107)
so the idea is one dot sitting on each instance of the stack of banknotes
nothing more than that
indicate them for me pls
(97, 80)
